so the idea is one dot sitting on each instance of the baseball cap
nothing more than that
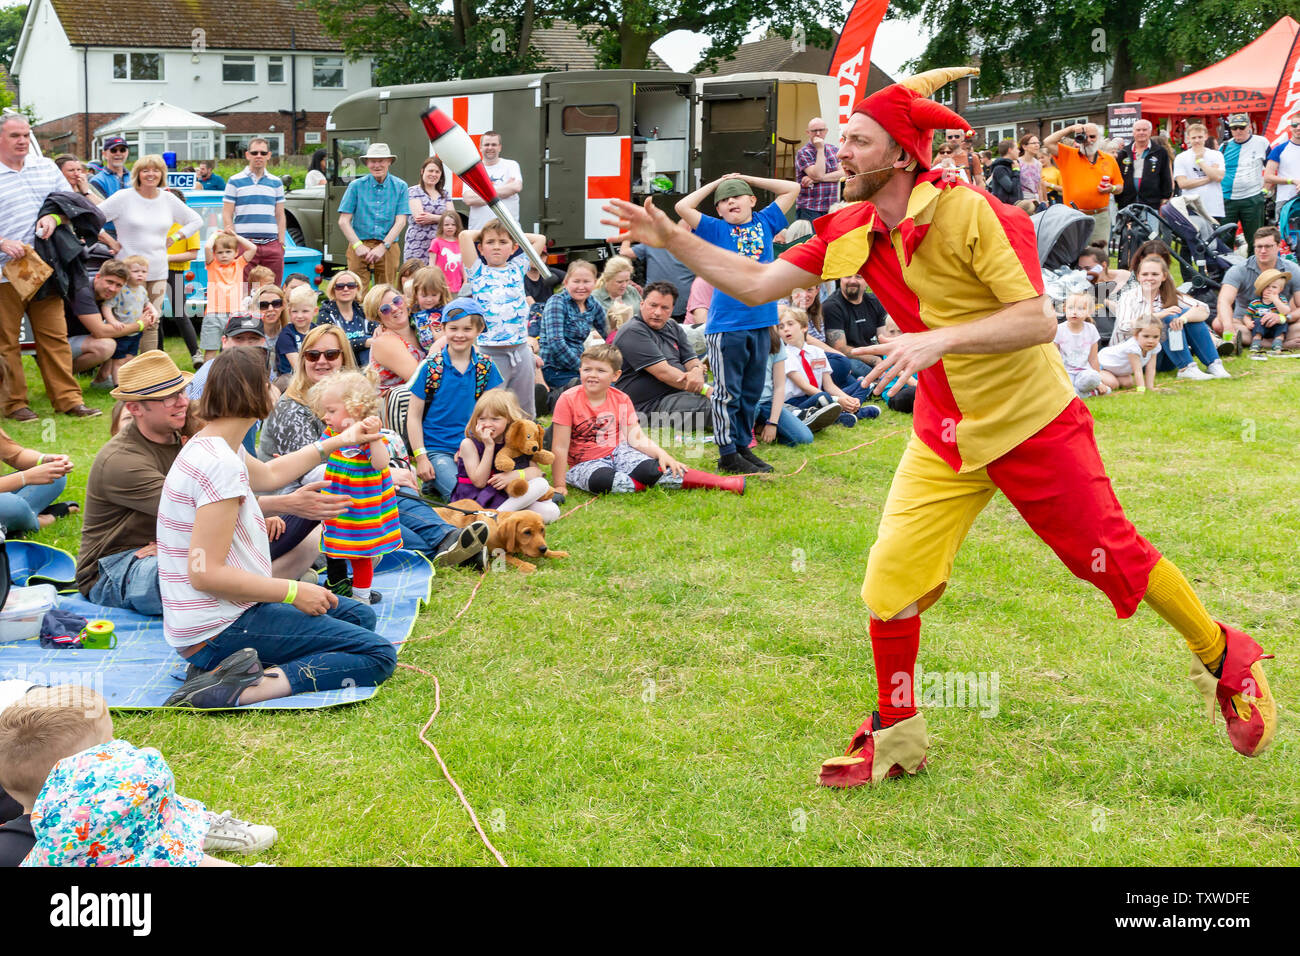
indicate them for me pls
(459, 308)
(731, 187)
(242, 322)
(1239, 119)
(113, 142)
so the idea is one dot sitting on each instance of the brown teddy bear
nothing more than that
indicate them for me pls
(523, 440)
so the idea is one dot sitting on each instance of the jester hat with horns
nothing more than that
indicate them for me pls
(909, 117)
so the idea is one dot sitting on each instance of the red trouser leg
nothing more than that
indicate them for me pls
(894, 645)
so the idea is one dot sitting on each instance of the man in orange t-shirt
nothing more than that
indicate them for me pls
(1089, 176)
(959, 273)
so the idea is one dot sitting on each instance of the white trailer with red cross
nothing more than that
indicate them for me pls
(580, 138)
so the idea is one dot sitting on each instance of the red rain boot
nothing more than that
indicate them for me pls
(704, 479)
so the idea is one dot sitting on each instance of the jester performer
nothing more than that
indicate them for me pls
(958, 270)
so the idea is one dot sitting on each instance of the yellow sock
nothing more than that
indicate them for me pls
(1172, 597)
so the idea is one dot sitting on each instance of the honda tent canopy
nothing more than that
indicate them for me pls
(1241, 83)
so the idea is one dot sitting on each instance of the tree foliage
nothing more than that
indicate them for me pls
(11, 28)
(1035, 47)
(427, 40)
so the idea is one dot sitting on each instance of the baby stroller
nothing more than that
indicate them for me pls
(1063, 234)
(1134, 225)
(1202, 247)
(1288, 221)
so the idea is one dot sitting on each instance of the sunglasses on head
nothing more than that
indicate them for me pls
(345, 285)
(397, 302)
(315, 355)
(271, 304)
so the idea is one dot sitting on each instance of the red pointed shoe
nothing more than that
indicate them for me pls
(875, 753)
(1241, 691)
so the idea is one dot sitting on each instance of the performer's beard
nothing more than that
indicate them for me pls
(865, 185)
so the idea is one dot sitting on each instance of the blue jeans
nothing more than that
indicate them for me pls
(325, 652)
(444, 473)
(422, 529)
(739, 364)
(18, 509)
(845, 367)
(1196, 341)
(789, 430)
(128, 582)
(558, 378)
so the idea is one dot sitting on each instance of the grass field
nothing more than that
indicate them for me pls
(666, 695)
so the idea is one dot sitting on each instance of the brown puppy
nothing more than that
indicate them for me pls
(513, 532)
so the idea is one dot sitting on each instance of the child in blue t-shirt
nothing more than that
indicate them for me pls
(736, 334)
(448, 384)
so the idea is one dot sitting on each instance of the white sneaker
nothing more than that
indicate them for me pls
(1217, 370)
(1192, 373)
(228, 834)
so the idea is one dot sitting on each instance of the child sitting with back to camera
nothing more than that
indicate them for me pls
(478, 479)
(1132, 363)
(598, 442)
(808, 374)
(1077, 339)
(369, 529)
(1269, 302)
(94, 800)
(430, 293)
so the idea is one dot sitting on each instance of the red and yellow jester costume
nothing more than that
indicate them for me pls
(1008, 422)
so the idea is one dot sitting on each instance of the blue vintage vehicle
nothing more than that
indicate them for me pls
(207, 203)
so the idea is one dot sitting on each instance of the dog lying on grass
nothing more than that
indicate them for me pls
(512, 533)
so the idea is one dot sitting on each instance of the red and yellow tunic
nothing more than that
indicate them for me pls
(970, 256)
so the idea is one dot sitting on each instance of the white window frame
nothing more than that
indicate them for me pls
(280, 61)
(1063, 123)
(130, 54)
(316, 64)
(972, 86)
(946, 94)
(993, 135)
(1096, 77)
(240, 60)
(275, 139)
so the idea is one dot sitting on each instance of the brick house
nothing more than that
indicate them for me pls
(265, 68)
(996, 116)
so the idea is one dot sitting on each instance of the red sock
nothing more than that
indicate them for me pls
(894, 645)
(363, 572)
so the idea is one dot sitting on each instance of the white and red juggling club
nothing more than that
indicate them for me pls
(457, 150)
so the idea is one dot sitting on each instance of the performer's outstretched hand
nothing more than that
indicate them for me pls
(902, 356)
(648, 224)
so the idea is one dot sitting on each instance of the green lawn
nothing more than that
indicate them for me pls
(665, 695)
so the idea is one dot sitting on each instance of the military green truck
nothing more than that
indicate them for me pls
(580, 138)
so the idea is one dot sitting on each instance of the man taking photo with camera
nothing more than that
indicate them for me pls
(1089, 177)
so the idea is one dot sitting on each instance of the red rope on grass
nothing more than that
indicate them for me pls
(437, 706)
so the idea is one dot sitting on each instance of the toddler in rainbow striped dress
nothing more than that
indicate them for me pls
(369, 528)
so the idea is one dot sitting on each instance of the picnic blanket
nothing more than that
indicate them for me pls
(143, 670)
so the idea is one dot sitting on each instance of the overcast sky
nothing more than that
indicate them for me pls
(896, 42)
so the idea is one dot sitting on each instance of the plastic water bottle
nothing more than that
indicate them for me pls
(1175, 340)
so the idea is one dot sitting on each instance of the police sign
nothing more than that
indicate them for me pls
(182, 181)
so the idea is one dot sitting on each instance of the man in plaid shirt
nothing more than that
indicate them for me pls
(817, 169)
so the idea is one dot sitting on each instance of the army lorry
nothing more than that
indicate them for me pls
(580, 138)
(754, 123)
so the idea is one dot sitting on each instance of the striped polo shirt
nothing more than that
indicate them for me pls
(22, 192)
(255, 201)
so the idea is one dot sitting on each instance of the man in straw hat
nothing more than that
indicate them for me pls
(994, 412)
(372, 216)
(117, 565)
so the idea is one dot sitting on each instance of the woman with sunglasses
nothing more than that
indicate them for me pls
(292, 425)
(343, 308)
(270, 305)
(394, 350)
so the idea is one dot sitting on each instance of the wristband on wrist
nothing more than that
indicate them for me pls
(359, 246)
(1141, 388)
(522, 475)
(23, 476)
(320, 450)
(419, 452)
(141, 325)
(293, 593)
(58, 220)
